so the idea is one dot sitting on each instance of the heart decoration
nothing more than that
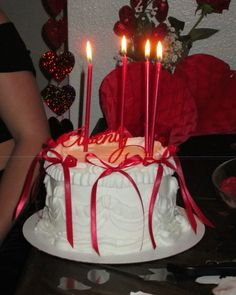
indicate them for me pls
(57, 128)
(57, 67)
(58, 99)
(54, 32)
(54, 7)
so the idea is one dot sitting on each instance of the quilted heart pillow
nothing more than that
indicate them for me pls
(213, 85)
(176, 111)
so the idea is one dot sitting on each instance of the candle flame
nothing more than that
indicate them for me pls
(123, 45)
(159, 50)
(89, 52)
(147, 49)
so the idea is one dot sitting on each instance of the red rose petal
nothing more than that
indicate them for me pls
(228, 186)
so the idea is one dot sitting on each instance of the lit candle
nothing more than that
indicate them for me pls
(147, 74)
(88, 96)
(124, 70)
(156, 87)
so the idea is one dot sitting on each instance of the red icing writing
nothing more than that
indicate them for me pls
(101, 138)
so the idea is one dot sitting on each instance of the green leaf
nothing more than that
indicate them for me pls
(177, 24)
(203, 33)
(186, 42)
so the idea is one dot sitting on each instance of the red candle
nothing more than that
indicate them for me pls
(88, 96)
(155, 97)
(147, 78)
(124, 70)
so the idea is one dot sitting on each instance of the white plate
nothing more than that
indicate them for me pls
(187, 241)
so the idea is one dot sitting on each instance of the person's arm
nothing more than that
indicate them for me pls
(22, 111)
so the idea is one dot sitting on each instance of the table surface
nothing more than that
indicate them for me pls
(46, 274)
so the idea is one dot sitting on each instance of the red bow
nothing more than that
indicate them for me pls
(67, 163)
(190, 204)
(108, 169)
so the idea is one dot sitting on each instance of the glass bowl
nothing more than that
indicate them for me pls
(224, 180)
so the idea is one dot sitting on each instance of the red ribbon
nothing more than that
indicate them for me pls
(155, 190)
(108, 169)
(28, 180)
(190, 204)
(26, 188)
(70, 161)
(67, 163)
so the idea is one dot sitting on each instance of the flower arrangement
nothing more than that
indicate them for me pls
(147, 19)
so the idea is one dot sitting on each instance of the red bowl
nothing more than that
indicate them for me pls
(224, 180)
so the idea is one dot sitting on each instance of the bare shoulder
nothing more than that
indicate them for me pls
(3, 17)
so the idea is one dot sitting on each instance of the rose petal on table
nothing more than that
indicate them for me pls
(98, 276)
(72, 284)
(227, 286)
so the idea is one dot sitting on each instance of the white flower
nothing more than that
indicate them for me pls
(178, 45)
(174, 58)
(173, 50)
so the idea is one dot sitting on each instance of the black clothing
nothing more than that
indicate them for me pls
(4, 133)
(14, 57)
(14, 250)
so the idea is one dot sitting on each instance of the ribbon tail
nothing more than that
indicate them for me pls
(199, 213)
(189, 202)
(26, 188)
(68, 207)
(152, 202)
(94, 218)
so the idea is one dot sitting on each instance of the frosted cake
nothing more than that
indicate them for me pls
(112, 207)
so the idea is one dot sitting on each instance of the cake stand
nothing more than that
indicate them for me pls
(185, 242)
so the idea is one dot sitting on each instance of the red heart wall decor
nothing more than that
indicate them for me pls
(59, 127)
(54, 7)
(57, 66)
(54, 33)
(58, 99)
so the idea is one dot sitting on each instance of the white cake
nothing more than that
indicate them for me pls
(122, 218)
